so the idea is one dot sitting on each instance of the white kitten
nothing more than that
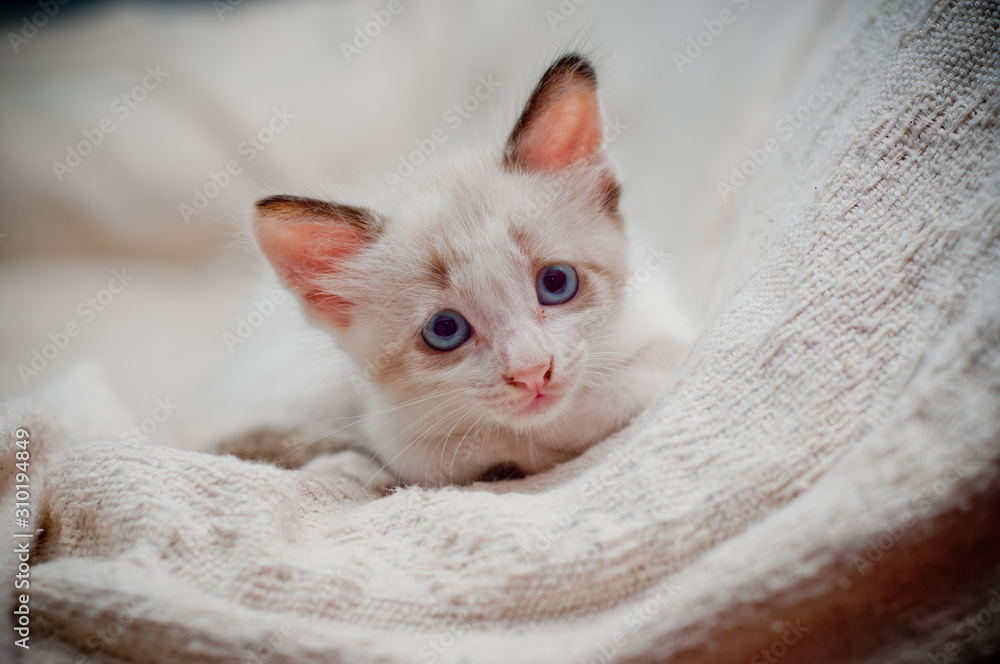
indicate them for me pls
(485, 304)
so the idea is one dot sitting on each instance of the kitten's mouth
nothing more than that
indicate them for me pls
(502, 472)
(528, 410)
(538, 404)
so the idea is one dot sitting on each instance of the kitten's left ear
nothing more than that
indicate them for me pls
(561, 124)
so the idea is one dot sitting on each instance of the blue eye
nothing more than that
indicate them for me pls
(446, 330)
(556, 284)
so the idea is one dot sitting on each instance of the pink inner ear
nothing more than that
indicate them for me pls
(566, 132)
(304, 252)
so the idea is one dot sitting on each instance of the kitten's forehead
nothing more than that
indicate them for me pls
(474, 236)
(482, 265)
(457, 209)
(468, 245)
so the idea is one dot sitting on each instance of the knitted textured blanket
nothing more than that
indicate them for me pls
(822, 484)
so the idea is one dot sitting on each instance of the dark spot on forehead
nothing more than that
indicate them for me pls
(520, 238)
(598, 269)
(438, 269)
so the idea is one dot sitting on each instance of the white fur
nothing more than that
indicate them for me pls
(435, 418)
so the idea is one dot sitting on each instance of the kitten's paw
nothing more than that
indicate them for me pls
(354, 464)
(285, 448)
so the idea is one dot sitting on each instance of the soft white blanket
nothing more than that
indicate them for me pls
(822, 483)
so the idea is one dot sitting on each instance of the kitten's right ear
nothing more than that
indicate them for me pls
(307, 239)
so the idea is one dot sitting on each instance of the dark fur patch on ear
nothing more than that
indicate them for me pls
(607, 194)
(611, 193)
(564, 70)
(291, 207)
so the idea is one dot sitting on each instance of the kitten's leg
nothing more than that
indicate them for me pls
(285, 448)
(322, 454)
(361, 466)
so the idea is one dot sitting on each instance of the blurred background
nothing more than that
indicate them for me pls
(134, 138)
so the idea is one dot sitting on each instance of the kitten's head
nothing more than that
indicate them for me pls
(478, 295)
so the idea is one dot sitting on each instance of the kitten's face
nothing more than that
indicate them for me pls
(475, 301)
(487, 287)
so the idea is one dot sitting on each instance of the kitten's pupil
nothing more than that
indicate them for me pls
(554, 281)
(445, 326)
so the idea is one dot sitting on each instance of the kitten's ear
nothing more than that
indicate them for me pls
(561, 124)
(306, 239)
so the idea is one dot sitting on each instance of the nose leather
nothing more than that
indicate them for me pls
(533, 379)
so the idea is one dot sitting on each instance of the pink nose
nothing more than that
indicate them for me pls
(533, 379)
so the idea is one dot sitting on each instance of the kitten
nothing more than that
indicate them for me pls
(485, 303)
